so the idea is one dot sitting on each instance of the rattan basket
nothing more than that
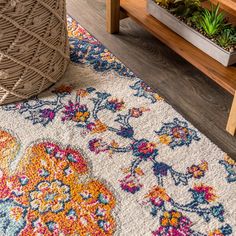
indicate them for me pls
(34, 50)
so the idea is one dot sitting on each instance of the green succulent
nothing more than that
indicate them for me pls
(227, 37)
(195, 18)
(185, 8)
(212, 21)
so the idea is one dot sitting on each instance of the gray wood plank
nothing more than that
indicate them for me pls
(190, 92)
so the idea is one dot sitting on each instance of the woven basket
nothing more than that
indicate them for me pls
(34, 50)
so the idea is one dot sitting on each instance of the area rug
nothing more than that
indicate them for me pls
(100, 153)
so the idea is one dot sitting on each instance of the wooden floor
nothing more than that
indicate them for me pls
(192, 94)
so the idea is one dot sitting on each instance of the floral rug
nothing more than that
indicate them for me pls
(100, 153)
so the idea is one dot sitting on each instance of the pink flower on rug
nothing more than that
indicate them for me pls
(97, 145)
(48, 114)
(76, 112)
(130, 184)
(137, 112)
(146, 87)
(198, 171)
(203, 194)
(144, 149)
(157, 196)
(115, 105)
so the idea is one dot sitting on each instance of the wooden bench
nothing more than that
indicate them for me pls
(136, 9)
(227, 5)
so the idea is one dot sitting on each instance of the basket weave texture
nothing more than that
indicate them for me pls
(34, 49)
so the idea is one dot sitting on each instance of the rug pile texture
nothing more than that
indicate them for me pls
(100, 153)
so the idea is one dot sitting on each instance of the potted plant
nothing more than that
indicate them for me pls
(207, 29)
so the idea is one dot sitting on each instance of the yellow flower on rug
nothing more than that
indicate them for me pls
(51, 193)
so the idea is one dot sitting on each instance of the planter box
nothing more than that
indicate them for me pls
(198, 40)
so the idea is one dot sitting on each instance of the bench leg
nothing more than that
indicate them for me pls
(231, 125)
(113, 16)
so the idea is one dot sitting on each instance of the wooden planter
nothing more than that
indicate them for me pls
(198, 40)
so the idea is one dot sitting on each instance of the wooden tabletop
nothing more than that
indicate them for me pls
(224, 76)
(227, 5)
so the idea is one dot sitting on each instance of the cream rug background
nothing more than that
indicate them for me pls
(162, 176)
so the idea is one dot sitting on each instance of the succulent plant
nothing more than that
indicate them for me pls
(212, 21)
(185, 8)
(227, 38)
(195, 19)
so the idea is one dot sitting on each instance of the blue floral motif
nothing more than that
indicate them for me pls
(96, 55)
(161, 169)
(44, 173)
(203, 195)
(199, 196)
(103, 224)
(218, 212)
(103, 199)
(226, 230)
(72, 213)
(126, 132)
(114, 105)
(23, 180)
(37, 110)
(85, 49)
(100, 212)
(143, 90)
(230, 167)
(11, 224)
(51, 226)
(179, 133)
